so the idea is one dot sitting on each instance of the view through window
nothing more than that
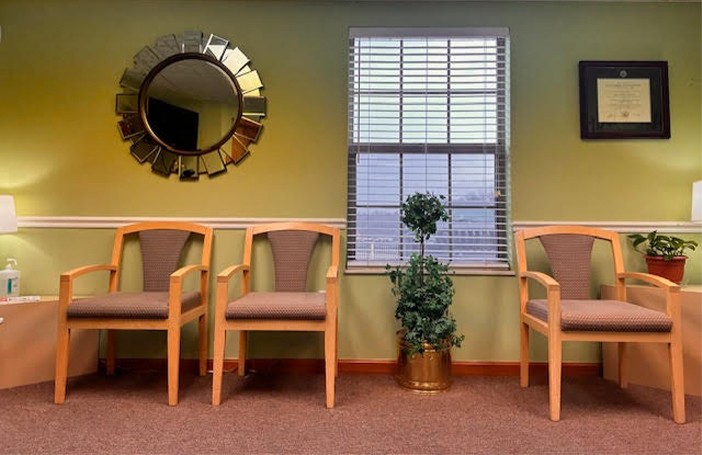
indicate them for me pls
(429, 112)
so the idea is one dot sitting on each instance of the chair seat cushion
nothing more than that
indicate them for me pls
(130, 305)
(603, 315)
(278, 305)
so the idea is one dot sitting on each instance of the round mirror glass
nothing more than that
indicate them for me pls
(190, 104)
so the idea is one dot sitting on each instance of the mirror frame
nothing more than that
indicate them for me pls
(143, 98)
(146, 146)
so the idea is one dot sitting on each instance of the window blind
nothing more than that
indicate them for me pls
(428, 112)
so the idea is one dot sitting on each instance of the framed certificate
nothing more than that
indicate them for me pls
(624, 100)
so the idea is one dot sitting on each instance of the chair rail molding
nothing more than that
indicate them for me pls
(111, 222)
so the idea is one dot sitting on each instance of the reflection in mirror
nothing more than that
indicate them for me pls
(191, 104)
(198, 105)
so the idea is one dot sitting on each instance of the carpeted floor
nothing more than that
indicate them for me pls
(285, 414)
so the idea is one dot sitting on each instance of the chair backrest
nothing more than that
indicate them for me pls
(292, 245)
(160, 252)
(569, 256)
(162, 244)
(569, 252)
(291, 257)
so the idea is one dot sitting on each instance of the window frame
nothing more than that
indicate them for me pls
(500, 150)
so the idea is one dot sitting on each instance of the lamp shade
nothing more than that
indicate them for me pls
(697, 201)
(8, 218)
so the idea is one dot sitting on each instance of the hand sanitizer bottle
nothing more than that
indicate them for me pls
(10, 280)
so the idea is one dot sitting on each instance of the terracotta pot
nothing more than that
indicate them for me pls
(673, 269)
(428, 372)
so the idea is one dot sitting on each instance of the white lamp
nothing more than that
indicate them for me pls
(697, 201)
(8, 218)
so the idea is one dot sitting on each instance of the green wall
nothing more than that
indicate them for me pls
(61, 154)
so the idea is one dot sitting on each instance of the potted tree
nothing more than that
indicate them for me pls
(664, 254)
(424, 292)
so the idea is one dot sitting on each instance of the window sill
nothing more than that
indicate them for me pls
(459, 271)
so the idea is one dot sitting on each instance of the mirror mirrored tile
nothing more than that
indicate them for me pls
(191, 41)
(166, 45)
(248, 129)
(214, 162)
(145, 60)
(254, 106)
(164, 162)
(234, 60)
(130, 126)
(127, 103)
(216, 46)
(188, 167)
(143, 149)
(249, 81)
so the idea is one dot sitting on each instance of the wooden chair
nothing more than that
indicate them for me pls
(162, 305)
(569, 313)
(290, 307)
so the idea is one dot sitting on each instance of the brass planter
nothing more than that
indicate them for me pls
(428, 372)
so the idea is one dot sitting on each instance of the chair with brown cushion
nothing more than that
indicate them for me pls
(163, 304)
(290, 307)
(569, 313)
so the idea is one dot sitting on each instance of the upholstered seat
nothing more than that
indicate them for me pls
(290, 307)
(603, 315)
(131, 305)
(570, 313)
(162, 304)
(278, 305)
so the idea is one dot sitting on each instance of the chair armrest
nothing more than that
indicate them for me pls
(227, 274)
(222, 292)
(67, 278)
(655, 280)
(181, 272)
(72, 274)
(672, 290)
(546, 281)
(332, 274)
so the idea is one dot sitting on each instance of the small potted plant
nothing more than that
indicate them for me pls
(664, 254)
(424, 292)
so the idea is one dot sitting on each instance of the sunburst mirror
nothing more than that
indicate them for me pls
(191, 105)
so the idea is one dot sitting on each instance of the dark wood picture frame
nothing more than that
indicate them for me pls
(624, 100)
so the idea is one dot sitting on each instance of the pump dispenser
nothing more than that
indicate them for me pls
(10, 280)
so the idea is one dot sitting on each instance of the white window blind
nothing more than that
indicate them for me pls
(429, 112)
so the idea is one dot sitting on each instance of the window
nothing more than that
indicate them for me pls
(429, 112)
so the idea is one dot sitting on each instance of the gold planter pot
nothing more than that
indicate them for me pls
(428, 372)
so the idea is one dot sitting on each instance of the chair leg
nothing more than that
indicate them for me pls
(336, 353)
(62, 346)
(173, 364)
(330, 366)
(676, 381)
(111, 352)
(623, 364)
(524, 355)
(241, 369)
(220, 340)
(202, 343)
(555, 355)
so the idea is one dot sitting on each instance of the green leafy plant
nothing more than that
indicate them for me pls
(662, 245)
(423, 288)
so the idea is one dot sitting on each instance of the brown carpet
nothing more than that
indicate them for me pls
(285, 414)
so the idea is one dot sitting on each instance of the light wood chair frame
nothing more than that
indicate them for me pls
(555, 336)
(176, 319)
(329, 325)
